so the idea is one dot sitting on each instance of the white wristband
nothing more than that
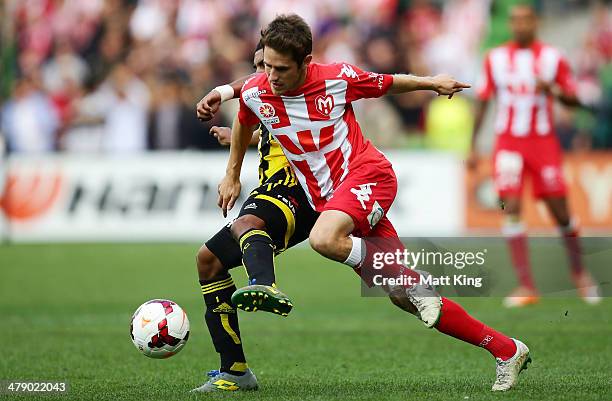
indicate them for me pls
(226, 92)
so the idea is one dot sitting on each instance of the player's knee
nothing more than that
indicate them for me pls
(246, 223)
(321, 242)
(511, 206)
(209, 266)
(563, 219)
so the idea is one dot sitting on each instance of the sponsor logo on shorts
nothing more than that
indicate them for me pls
(250, 206)
(287, 202)
(509, 168)
(376, 214)
(363, 193)
(551, 176)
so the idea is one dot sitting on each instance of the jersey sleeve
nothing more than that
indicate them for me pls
(485, 87)
(363, 84)
(245, 114)
(564, 77)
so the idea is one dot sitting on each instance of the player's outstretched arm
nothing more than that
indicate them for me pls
(443, 84)
(229, 188)
(209, 105)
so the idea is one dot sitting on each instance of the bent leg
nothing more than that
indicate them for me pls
(217, 287)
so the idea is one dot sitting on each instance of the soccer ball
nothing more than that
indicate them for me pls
(159, 328)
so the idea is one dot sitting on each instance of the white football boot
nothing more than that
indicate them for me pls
(507, 372)
(427, 301)
(587, 288)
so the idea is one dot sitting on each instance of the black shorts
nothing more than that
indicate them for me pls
(282, 204)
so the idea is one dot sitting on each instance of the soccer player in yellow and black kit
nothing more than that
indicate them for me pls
(275, 216)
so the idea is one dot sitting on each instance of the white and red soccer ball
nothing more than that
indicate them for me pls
(159, 328)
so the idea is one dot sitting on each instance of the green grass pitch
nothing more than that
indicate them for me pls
(66, 310)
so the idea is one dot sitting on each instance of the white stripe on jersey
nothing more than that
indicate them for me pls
(500, 59)
(516, 94)
(297, 112)
(547, 69)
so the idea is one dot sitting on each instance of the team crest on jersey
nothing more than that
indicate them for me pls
(324, 104)
(268, 114)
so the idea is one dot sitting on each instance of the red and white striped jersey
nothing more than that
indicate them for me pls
(315, 124)
(510, 74)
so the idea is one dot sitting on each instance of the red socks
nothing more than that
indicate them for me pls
(572, 245)
(519, 254)
(456, 322)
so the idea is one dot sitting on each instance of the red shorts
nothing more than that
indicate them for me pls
(538, 157)
(366, 194)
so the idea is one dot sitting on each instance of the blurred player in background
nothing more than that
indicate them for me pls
(307, 108)
(274, 217)
(525, 76)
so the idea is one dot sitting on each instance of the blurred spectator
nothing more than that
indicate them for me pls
(594, 72)
(124, 75)
(29, 120)
(125, 101)
(454, 48)
(164, 119)
(602, 135)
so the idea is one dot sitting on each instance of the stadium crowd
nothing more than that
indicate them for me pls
(122, 76)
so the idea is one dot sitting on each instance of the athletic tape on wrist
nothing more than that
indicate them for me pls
(226, 92)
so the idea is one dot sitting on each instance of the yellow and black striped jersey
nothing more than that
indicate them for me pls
(271, 156)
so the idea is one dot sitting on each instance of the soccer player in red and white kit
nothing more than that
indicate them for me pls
(307, 107)
(525, 76)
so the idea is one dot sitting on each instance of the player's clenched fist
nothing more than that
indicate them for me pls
(229, 190)
(445, 85)
(208, 105)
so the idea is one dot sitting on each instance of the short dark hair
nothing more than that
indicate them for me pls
(525, 3)
(288, 34)
(259, 46)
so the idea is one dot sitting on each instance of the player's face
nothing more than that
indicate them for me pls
(284, 74)
(258, 63)
(523, 24)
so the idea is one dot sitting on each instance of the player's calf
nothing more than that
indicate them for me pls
(209, 266)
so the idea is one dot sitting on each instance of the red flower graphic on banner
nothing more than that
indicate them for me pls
(27, 196)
